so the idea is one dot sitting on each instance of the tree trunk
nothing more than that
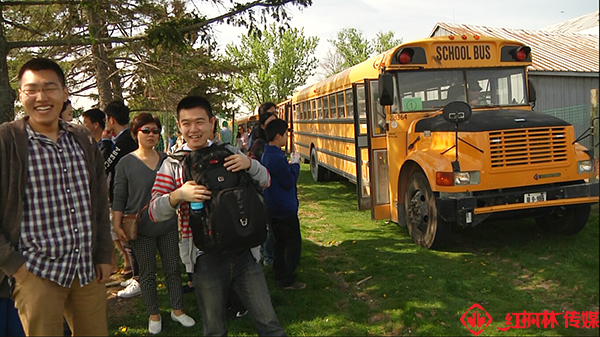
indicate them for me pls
(100, 59)
(115, 78)
(7, 94)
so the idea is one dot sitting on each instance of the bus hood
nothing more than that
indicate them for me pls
(489, 120)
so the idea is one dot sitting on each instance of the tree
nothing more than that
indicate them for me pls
(274, 63)
(384, 42)
(351, 47)
(73, 26)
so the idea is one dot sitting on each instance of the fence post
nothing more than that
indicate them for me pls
(595, 132)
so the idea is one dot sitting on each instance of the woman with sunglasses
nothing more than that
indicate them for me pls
(135, 174)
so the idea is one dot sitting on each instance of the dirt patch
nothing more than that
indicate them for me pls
(379, 317)
(117, 307)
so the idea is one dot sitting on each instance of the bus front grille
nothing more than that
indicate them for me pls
(528, 146)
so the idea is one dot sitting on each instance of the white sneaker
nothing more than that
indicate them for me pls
(184, 319)
(154, 327)
(133, 289)
(127, 282)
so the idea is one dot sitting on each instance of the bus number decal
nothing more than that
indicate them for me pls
(462, 53)
(398, 117)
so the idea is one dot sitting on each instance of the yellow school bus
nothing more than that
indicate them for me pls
(247, 121)
(440, 132)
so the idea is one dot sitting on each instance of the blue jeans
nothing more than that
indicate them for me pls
(288, 247)
(215, 273)
(267, 248)
(10, 323)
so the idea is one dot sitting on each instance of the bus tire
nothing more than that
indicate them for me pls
(425, 226)
(565, 220)
(318, 172)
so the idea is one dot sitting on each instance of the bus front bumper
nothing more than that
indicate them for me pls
(468, 209)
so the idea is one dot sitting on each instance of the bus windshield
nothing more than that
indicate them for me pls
(432, 90)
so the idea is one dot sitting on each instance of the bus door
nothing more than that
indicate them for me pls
(289, 146)
(378, 153)
(361, 140)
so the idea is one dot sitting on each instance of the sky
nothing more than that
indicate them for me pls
(411, 20)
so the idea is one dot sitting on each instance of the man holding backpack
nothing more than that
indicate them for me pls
(214, 271)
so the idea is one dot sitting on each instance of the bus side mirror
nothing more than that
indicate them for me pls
(386, 89)
(457, 112)
(532, 94)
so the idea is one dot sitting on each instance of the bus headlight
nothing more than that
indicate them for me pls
(466, 178)
(584, 166)
(457, 178)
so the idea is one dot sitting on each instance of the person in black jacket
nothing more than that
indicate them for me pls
(117, 121)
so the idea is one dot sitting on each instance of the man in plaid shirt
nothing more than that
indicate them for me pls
(55, 237)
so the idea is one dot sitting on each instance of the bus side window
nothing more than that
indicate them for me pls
(320, 107)
(362, 105)
(349, 103)
(377, 113)
(325, 107)
(332, 104)
(340, 104)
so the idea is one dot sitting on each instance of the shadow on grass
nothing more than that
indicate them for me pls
(368, 278)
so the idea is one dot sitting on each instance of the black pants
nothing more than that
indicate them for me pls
(287, 249)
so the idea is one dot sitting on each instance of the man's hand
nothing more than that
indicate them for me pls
(103, 272)
(190, 191)
(237, 162)
(107, 134)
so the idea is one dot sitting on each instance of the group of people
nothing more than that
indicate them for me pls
(67, 184)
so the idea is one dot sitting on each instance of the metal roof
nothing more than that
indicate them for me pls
(584, 23)
(551, 51)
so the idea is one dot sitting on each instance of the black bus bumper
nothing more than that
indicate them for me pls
(471, 208)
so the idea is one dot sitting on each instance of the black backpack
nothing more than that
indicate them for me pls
(236, 216)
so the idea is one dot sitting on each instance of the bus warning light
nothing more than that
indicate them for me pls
(476, 37)
(451, 37)
(406, 56)
(522, 53)
(464, 37)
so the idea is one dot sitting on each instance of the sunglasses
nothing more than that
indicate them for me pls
(147, 131)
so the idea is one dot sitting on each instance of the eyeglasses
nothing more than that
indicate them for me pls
(147, 131)
(47, 89)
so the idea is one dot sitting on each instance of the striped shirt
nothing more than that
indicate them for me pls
(168, 179)
(56, 232)
(165, 183)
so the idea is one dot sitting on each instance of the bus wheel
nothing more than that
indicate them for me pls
(425, 227)
(565, 220)
(318, 172)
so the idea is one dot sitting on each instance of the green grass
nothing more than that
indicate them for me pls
(367, 277)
